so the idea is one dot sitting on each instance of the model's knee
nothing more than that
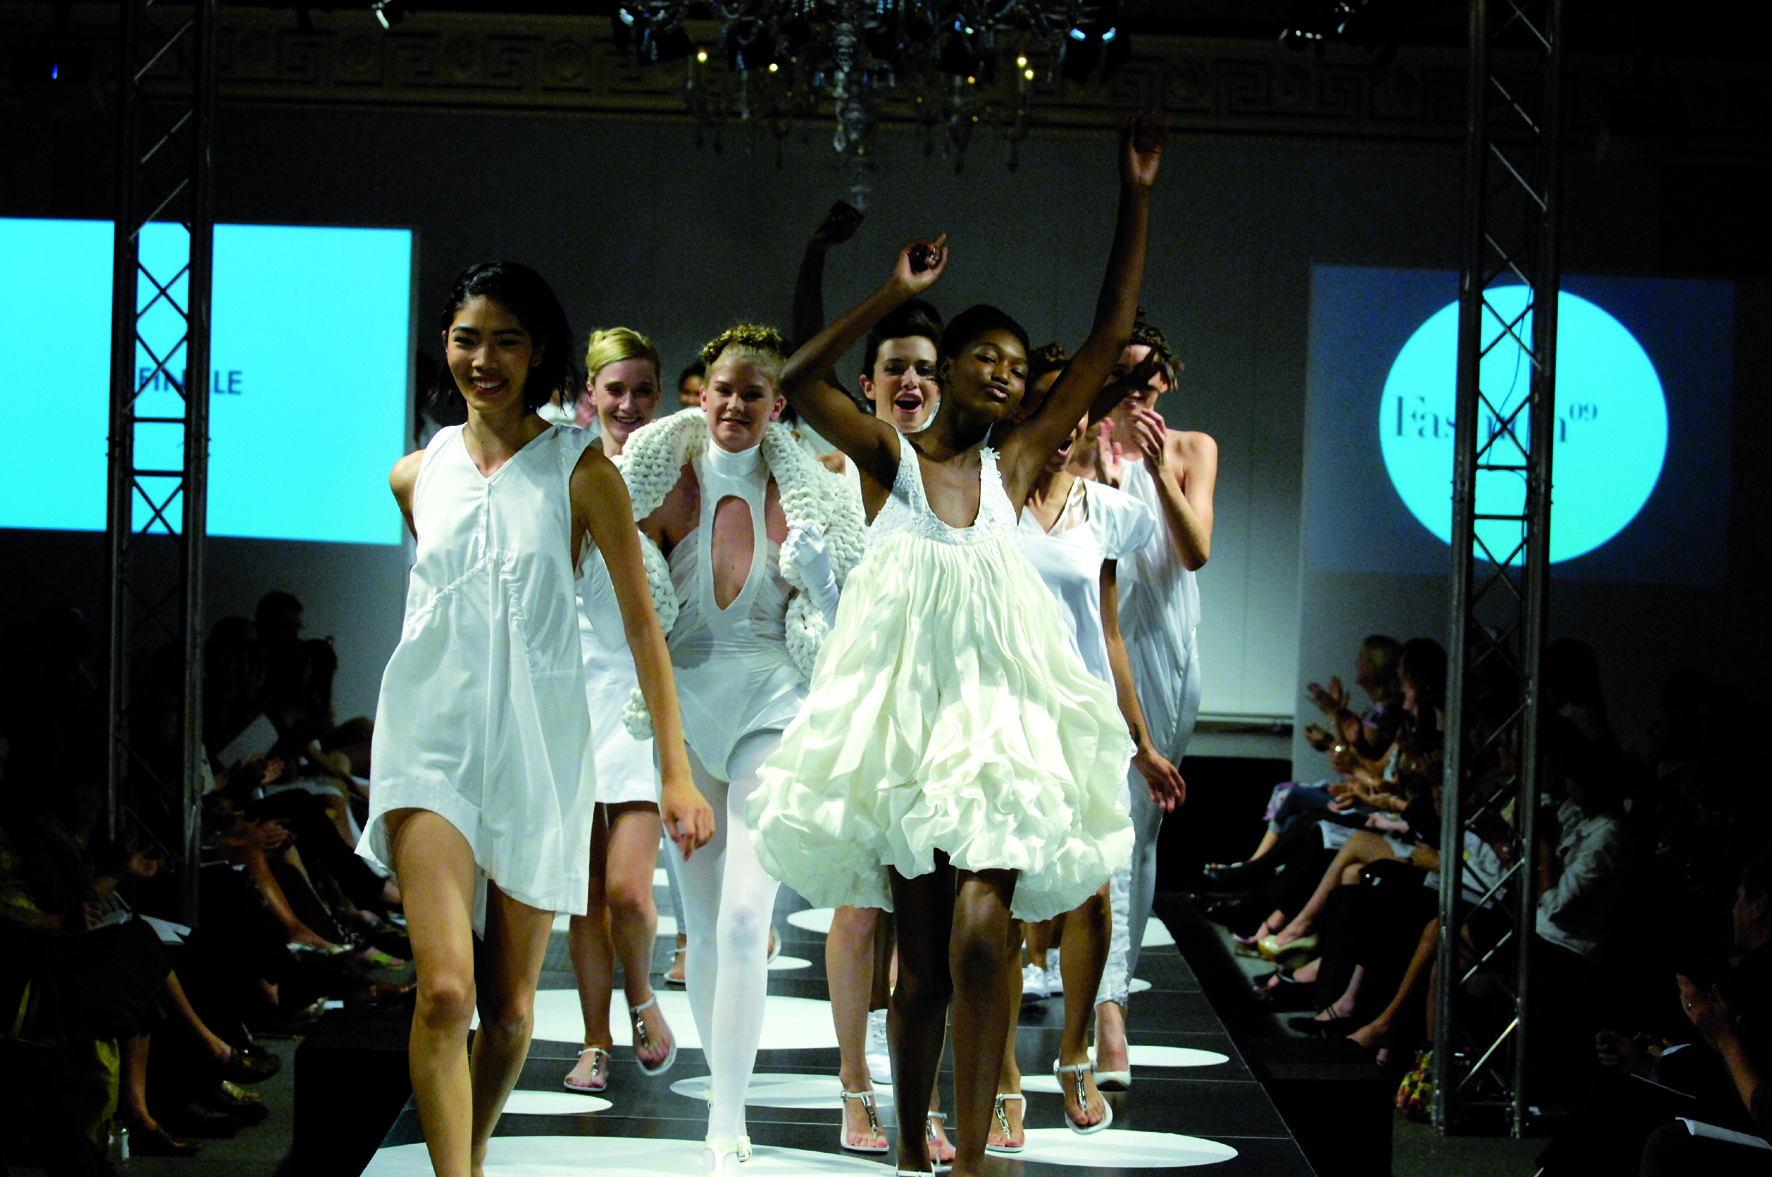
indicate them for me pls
(629, 901)
(976, 951)
(511, 1015)
(446, 1000)
(919, 993)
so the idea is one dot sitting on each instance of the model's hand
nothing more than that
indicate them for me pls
(920, 264)
(688, 818)
(1109, 458)
(838, 226)
(1162, 778)
(1150, 435)
(1141, 148)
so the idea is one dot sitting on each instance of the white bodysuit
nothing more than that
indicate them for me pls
(482, 715)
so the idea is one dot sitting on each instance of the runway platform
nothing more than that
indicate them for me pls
(1193, 1105)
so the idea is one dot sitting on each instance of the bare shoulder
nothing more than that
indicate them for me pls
(1193, 447)
(595, 472)
(404, 476)
(834, 461)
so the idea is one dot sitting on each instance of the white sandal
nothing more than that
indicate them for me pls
(931, 1140)
(641, 1040)
(866, 1099)
(714, 1154)
(599, 1072)
(1003, 1123)
(1059, 1070)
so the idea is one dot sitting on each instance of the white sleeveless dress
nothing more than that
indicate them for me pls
(947, 712)
(1159, 612)
(626, 770)
(482, 716)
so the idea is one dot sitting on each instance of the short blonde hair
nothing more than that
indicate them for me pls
(750, 339)
(611, 345)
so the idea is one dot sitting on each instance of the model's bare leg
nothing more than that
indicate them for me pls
(634, 831)
(1006, 1123)
(593, 962)
(978, 961)
(849, 965)
(1085, 955)
(516, 941)
(924, 912)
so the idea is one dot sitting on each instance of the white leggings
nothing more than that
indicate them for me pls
(727, 902)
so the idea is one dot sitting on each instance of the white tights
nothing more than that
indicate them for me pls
(727, 902)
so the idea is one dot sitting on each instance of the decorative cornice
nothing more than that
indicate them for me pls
(571, 66)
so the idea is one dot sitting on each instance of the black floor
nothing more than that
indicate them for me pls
(1173, 1117)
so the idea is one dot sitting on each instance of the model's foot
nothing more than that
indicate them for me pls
(1091, 1109)
(652, 1034)
(1007, 1132)
(591, 1071)
(936, 1140)
(862, 1130)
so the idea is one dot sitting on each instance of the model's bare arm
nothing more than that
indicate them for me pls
(1161, 777)
(403, 480)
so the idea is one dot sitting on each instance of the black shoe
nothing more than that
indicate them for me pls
(196, 1120)
(1334, 1027)
(1238, 876)
(1240, 914)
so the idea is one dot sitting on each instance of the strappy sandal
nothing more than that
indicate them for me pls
(1059, 1071)
(642, 1041)
(599, 1072)
(935, 1130)
(721, 1157)
(866, 1099)
(1002, 1115)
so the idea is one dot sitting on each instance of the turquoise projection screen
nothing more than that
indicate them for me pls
(310, 344)
(1640, 457)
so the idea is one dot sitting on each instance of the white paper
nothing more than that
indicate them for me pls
(1711, 1131)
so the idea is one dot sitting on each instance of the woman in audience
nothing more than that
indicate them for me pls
(482, 802)
(622, 395)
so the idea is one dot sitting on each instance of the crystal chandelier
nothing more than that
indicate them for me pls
(943, 64)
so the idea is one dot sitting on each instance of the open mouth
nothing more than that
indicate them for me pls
(907, 403)
(997, 392)
(487, 387)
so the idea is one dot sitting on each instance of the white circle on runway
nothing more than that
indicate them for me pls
(1156, 933)
(553, 1103)
(616, 1156)
(789, 1023)
(667, 924)
(1138, 985)
(783, 964)
(661, 877)
(783, 1091)
(814, 919)
(1119, 1148)
(1174, 1056)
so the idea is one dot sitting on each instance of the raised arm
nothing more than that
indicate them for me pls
(870, 443)
(838, 226)
(1038, 437)
(601, 505)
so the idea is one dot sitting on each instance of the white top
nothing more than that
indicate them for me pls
(625, 767)
(1097, 523)
(1159, 610)
(1585, 907)
(734, 674)
(482, 716)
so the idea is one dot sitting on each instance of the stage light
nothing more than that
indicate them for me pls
(701, 55)
(388, 12)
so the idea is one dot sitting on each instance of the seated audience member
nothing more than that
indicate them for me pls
(1721, 1075)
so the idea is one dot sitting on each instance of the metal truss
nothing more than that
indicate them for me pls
(1505, 414)
(159, 441)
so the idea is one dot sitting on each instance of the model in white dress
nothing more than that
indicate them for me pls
(482, 717)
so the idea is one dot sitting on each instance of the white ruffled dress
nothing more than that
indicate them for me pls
(948, 711)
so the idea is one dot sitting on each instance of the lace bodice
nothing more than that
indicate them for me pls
(907, 510)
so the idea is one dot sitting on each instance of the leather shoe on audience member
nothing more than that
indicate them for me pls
(157, 1142)
(1237, 876)
(196, 1120)
(250, 1065)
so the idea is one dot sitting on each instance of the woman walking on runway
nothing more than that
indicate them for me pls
(484, 781)
(620, 920)
(757, 536)
(955, 761)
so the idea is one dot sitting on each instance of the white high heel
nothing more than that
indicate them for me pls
(721, 1157)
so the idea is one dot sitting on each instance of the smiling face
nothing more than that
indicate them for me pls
(740, 401)
(1139, 398)
(988, 375)
(902, 385)
(623, 397)
(490, 354)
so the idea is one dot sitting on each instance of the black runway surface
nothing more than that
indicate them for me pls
(1193, 1103)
